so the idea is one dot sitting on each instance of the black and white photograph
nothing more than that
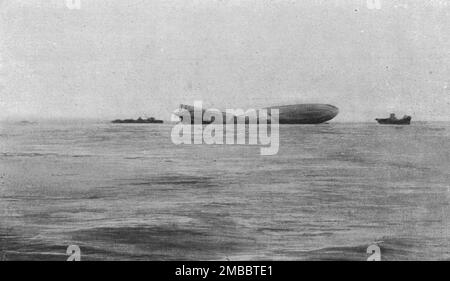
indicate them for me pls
(224, 131)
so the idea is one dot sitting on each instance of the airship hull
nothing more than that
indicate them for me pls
(306, 113)
(288, 114)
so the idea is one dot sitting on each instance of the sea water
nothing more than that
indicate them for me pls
(126, 192)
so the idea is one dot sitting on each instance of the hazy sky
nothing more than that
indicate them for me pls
(117, 58)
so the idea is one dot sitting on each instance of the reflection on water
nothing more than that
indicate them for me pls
(126, 192)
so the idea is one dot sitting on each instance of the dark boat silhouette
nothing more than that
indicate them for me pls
(150, 120)
(392, 120)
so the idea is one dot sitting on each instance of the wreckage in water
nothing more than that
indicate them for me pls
(288, 114)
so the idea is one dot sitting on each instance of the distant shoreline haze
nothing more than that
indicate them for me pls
(168, 121)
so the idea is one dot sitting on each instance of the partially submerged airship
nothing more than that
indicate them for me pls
(306, 113)
(288, 114)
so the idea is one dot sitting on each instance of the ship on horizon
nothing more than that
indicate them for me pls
(150, 120)
(393, 120)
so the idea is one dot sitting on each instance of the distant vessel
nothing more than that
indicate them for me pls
(150, 120)
(27, 123)
(288, 114)
(392, 120)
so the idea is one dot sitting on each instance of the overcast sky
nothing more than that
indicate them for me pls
(116, 58)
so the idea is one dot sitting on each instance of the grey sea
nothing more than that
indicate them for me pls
(126, 192)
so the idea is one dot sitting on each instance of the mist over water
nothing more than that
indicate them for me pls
(126, 192)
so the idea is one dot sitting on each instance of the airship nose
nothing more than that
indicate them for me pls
(334, 111)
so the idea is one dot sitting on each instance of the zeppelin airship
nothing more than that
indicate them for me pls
(288, 114)
(306, 113)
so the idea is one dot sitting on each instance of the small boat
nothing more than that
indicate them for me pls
(150, 120)
(392, 120)
(27, 123)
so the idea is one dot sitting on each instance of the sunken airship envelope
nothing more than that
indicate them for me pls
(288, 114)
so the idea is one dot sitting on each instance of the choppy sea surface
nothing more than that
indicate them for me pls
(126, 192)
